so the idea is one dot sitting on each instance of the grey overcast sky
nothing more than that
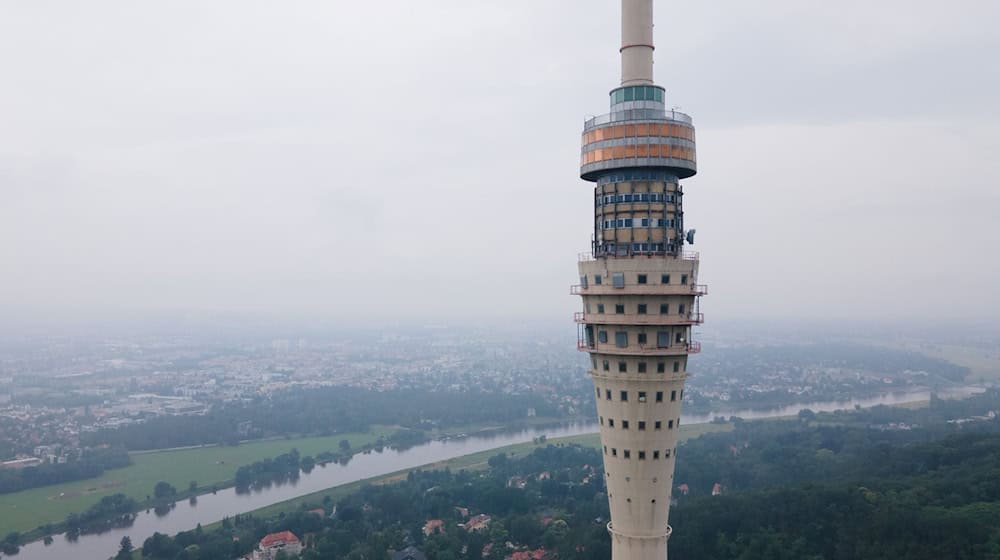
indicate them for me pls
(419, 159)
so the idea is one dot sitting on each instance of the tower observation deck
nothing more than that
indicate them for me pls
(640, 291)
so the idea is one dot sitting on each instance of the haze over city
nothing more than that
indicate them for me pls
(416, 160)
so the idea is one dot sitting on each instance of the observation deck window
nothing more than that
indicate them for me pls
(662, 339)
(637, 93)
(621, 339)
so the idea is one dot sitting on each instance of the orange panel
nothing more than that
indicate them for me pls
(619, 152)
(630, 130)
(642, 129)
(630, 151)
(642, 150)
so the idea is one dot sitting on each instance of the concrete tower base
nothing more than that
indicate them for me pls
(624, 547)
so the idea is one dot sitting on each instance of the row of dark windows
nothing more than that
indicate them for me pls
(602, 199)
(621, 338)
(636, 222)
(641, 455)
(641, 395)
(626, 249)
(641, 367)
(618, 279)
(641, 424)
(640, 309)
(630, 175)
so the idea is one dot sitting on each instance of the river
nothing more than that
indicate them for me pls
(213, 507)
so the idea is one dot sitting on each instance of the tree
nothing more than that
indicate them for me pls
(345, 445)
(124, 549)
(164, 490)
(193, 487)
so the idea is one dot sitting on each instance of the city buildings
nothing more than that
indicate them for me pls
(640, 291)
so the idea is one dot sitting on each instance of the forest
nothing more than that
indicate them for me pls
(827, 486)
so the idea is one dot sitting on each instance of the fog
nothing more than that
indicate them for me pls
(419, 160)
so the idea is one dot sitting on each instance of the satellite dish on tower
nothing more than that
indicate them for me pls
(690, 236)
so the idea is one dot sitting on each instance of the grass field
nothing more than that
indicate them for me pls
(474, 461)
(23, 511)
(984, 365)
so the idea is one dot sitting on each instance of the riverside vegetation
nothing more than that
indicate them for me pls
(869, 485)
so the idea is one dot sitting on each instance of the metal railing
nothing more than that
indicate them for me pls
(623, 319)
(693, 347)
(637, 115)
(640, 289)
(587, 256)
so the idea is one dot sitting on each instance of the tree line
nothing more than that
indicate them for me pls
(91, 463)
(322, 411)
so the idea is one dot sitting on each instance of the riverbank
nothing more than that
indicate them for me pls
(40, 511)
(473, 461)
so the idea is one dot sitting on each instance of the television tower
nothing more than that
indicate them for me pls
(640, 291)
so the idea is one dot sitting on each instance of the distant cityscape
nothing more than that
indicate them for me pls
(54, 390)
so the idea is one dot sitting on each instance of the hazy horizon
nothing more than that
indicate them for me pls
(380, 162)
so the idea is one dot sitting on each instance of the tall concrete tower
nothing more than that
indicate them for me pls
(640, 291)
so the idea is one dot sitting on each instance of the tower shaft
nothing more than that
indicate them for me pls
(640, 292)
(637, 42)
